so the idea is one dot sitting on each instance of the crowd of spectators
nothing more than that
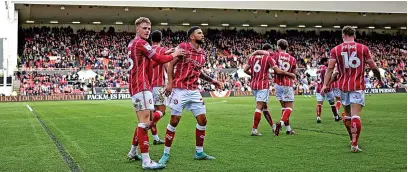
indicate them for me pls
(105, 52)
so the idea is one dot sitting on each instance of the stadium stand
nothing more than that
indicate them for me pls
(44, 49)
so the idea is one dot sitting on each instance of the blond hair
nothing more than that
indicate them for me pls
(141, 20)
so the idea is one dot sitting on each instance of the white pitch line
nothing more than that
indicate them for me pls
(224, 101)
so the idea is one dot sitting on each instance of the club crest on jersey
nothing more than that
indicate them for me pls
(147, 46)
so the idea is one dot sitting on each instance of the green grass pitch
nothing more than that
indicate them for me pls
(97, 134)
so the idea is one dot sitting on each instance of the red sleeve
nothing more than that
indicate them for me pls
(271, 61)
(333, 54)
(161, 59)
(159, 51)
(367, 55)
(144, 47)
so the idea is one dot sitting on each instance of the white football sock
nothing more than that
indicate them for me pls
(133, 149)
(199, 149)
(167, 149)
(146, 157)
(156, 137)
(288, 128)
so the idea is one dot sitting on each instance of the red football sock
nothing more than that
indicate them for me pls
(268, 116)
(154, 130)
(170, 133)
(286, 114)
(143, 138)
(355, 129)
(347, 125)
(257, 118)
(318, 110)
(338, 105)
(200, 135)
(134, 139)
(156, 116)
(334, 110)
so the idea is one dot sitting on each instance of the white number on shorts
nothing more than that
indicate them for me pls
(351, 61)
(257, 67)
(284, 65)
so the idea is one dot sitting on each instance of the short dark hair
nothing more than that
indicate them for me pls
(156, 36)
(283, 44)
(266, 46)
(191, 30)
(323, 60)
(349, 31)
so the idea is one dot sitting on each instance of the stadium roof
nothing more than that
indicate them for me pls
(333, 6)
(214, 17)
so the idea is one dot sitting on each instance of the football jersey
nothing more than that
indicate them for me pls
(188, 69)
(158, 75)
(321, 72)
(286, 63)
(260, 65)
(351, 58)
(139, 52)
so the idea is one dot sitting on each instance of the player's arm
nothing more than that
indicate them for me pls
(330, 69)
(162, 51)
(209, 79)
(166, 66)
(260, 52)
(169, 51)
(333, 77)
(373, 66)
(279, 71)
(282, 72)
(147, 51)
(247, 69)
(170, 74)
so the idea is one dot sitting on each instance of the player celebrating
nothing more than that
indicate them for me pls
(184, 92)
(284, 84)
(321, 71)
(158, 78)
(140, 56)
(351, 58)
(258, 68)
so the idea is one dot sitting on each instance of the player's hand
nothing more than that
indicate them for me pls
(323, 91)
(178, 52)
(217, 84)
(292, 75)
(168, 90)
(171, 50)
